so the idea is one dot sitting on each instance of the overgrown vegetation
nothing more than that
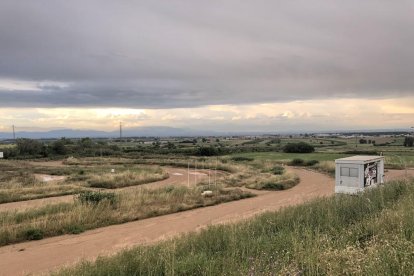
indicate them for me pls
(126, 178)
(97, 209)
(300, 147)
(367, 234)
(283, 181)
(93, 197)
(301, 162)
(19, 180)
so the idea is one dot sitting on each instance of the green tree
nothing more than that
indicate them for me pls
(28, 146)
(300, 147)
(58, 147)
(408, 141)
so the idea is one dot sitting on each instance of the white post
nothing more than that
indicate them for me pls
(188, 174)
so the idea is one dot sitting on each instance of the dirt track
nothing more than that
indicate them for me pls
(177, 176)
(41, 256)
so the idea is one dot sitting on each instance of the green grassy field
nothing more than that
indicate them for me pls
(286, 157)
(367, 234)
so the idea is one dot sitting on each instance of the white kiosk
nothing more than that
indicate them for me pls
(354, 174)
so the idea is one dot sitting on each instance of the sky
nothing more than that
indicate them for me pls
(217, 65)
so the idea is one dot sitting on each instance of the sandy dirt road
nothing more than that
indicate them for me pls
(396, 174)
(52, 253)
(48, 254)
(177, 177)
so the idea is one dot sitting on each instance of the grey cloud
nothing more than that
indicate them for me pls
(153, 54)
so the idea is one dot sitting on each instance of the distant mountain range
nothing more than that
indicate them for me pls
(163, 131)
(128, 132)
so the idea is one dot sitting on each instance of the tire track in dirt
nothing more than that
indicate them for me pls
(177, 177)
(51, 253)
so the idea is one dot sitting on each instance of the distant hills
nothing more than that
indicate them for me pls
(128, 132)
(164, 131)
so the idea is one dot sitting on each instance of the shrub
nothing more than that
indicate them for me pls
(90, 197)
(278, 170)
(297, 162)
(34, 234)
(301, 162)
(206, 151)
(300, 147)
(367, 152)
(28, 146)
(311, 162)
(408, 141)
(273, 186)
(241, 158)
(74, 229)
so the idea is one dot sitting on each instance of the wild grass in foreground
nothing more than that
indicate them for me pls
(366, 234)
(98, 209)
(29, 193)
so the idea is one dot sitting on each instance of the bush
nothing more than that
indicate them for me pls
(74, 229)
(278, 170)
(206, 151)
(297, 162)
(28, 146)
(300, 147)
(408, 141)
(301, 162)
(90, 197)
(241, 158)
(367, 152)
(273, 186)
(311, 162)
(34, 234)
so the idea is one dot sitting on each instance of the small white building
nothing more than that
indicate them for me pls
(354, 174)
(1, 155)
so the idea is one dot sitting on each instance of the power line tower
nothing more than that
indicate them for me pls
(120, 130)
(14, 134)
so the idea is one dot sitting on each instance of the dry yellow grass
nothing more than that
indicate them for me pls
(135, 176)
(76, 217)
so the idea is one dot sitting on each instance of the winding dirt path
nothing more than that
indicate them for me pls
(177, 177)
(45, 255)
(52, 253)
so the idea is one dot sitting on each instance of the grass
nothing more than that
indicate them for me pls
(366, 234)
(283, 181)
(127, 178)
(282, 157)
(21, 194)
(18, 181)
(97, 209)
(222, 164)
(327, 167)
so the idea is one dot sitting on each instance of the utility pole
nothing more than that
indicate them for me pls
(120, 130)
(14, 134)
(356, 140)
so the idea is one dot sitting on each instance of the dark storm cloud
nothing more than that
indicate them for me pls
(149, 54)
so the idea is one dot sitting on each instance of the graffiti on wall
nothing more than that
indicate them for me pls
(370, 173)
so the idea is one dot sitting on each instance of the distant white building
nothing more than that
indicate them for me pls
(354, 174)
(1, 155)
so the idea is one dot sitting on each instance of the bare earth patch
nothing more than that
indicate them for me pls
(49, 178)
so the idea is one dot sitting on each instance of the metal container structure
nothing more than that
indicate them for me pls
(355, 174)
